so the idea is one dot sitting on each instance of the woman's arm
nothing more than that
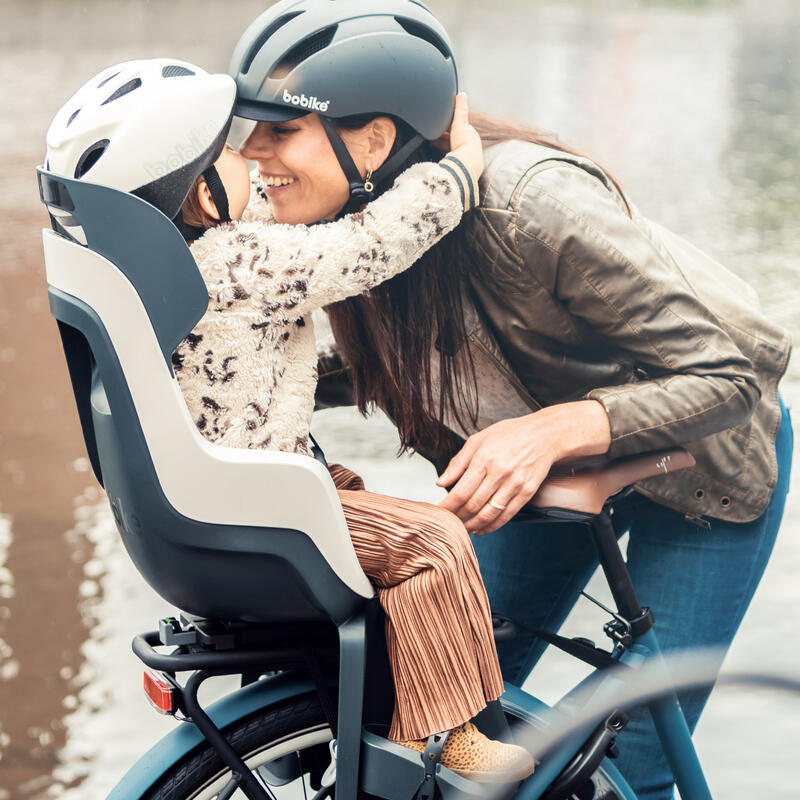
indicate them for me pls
(594, 258)
(507, 461)
(574, 240)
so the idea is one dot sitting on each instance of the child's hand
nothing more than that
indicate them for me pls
(465, 143)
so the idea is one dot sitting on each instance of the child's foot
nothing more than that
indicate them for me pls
(472, 755)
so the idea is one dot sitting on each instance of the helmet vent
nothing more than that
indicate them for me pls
(175, 71)
(262, 39)
(424, 32)
(126, 88)
(303, 50)
(90, 156)
(72, 117)
(106, 80)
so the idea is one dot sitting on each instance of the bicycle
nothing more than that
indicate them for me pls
(286, 606)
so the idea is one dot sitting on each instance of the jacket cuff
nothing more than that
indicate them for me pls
(627, 432)
(467, 185)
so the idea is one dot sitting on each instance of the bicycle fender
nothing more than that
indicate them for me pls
(186, 736)
(532, 710)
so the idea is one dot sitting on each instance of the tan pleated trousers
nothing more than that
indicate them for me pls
(438, 622)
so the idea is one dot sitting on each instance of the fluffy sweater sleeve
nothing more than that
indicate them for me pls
(258, 206)
(297, 268)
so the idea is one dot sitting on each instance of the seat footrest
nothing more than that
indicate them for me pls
(390, 770)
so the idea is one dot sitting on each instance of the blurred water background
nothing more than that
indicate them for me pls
(693, 104)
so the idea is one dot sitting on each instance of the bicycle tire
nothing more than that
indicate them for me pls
(292, 725)
(295, 724)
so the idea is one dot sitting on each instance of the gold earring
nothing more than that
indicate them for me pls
(369, 186)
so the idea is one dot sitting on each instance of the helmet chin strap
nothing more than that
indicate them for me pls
(189, 232)
(218, 193)
(358, 193)
(220, 198)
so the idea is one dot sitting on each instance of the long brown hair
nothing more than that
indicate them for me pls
(386, 336)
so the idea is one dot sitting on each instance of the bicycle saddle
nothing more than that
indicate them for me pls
(588, 490)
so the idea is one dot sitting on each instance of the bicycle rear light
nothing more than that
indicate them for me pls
(160, 692)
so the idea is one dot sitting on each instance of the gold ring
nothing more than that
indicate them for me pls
(496, 505)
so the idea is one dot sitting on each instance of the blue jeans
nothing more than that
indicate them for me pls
(698, 582)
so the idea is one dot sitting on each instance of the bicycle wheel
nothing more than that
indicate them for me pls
(267, 741)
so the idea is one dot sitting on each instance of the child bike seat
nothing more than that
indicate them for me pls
(218, 532)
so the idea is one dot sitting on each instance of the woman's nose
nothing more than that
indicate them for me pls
(258, 145)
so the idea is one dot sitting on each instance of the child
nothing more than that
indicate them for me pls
(248, 369)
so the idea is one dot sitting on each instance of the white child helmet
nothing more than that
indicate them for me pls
(148, 127)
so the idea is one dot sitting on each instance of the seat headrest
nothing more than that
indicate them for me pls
(141, 242)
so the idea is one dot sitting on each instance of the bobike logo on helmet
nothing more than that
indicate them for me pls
(311, 103)
(197, 141)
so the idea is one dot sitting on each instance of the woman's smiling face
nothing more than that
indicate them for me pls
(301, 175)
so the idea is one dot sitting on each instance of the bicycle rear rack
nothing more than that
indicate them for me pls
(208, 648)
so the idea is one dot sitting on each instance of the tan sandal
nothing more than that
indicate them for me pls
(472, 755)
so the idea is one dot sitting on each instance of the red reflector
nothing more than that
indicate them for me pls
(159, 692)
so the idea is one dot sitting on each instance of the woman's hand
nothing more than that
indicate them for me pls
(465, 143)
(506, 462)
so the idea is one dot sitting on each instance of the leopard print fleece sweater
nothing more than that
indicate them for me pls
(248, 370)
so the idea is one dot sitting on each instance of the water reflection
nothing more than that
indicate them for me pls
(762, 161)
(9, 666)
(106, 703)
(694, 105)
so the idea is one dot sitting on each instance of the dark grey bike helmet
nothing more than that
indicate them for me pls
(341, 58)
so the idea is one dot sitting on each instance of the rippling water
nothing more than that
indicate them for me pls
(695, 106)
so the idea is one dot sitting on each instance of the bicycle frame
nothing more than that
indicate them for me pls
(667, 714)
(642, 646)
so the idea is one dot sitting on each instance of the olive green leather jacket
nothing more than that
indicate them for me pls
(572, 299)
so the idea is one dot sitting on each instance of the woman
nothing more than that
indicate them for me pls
(556, 323)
